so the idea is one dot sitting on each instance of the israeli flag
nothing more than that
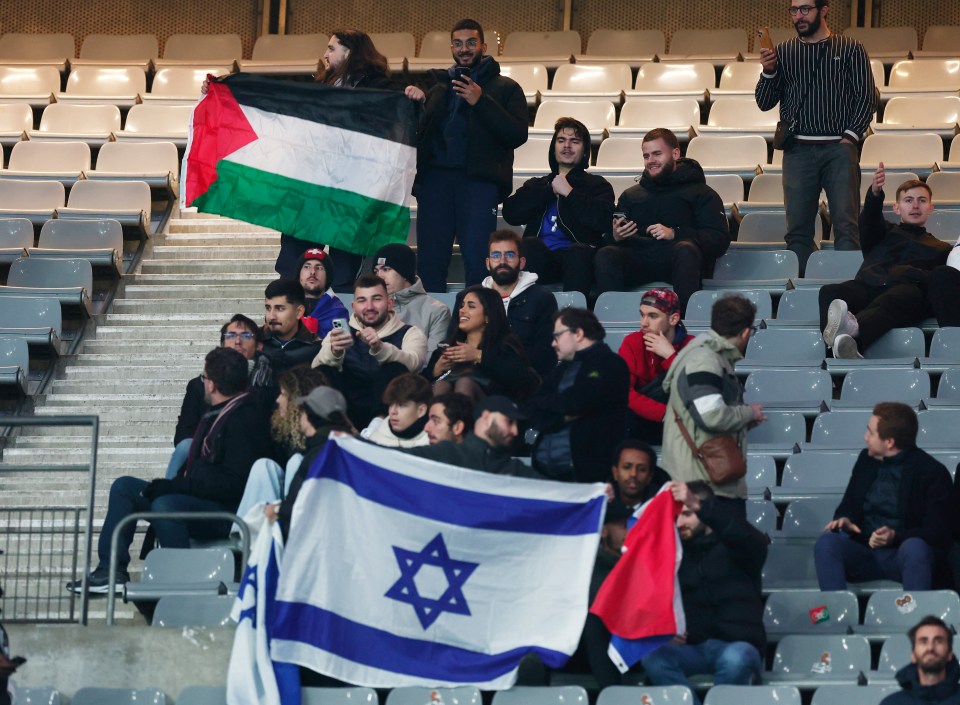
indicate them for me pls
(404, 571)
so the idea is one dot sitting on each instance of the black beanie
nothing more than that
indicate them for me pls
(400, 258)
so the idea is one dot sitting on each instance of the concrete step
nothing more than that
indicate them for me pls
(138, 435)
(54, 457)
(111, 413)
(224, 239)
(154, 372)
(192, 225)
(255, 280)
(218, 307)
(159, 349)
(124, 400)
(207, 291)
(166, 326)
(208, 266)
(142, 357)
(95, 387)
(214, 252)
(111, 432)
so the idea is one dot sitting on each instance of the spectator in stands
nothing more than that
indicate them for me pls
(449, 418)
(725, 634)
(8, 667)
(529, 306)
(229, 438)
(581, 405)
(933, 674)
(480, 355)
(671, 226)
(707, 398)
(827, 112)
(894, 517)
(890, 288)
(944, 290)
(243, 335)
(407, 398)
(397, 266)
(565, 212)
(649, 353)
(286, 341)
(473, 120)
(371, 350)
(636, 475)
(320, 302)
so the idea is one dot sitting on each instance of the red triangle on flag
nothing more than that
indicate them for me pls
(219, 129)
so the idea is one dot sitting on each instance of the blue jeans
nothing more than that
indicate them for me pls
(730, 662)
(125, 499)
(839, 558)
(451, 204)
(807, 169)
(178, 458)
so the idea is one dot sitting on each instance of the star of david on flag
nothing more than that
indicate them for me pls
(403, 571)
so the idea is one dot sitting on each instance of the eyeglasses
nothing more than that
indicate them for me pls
(561, 332)
(469, 44)
(802, 10)
(242, 336)
(203, 377)
(509, 256)
(754, 329)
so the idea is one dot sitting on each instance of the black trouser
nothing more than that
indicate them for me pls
(643, 259)
(345, 270)
(944, 294)
(290, 250)
(596, 641)
(364, 393)
(877, 308)
(573, 267)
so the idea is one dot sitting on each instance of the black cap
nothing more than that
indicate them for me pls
(501, 405)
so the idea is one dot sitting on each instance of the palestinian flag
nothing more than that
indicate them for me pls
(330, 165)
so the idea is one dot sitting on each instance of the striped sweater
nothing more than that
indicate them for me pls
(841, 97)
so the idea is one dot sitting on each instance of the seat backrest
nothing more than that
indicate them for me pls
(766, 188)
(869, 387)
(31, 312)
(740, 75)
(673, 77)
(728, 186)
(922, 110)
(202, 694)
(771, 228)
(51, 157)
(106, 81)
(14, 352)
(790, 566)
(897, 343)
(218, 48)
(436, 45)
(118, 696)
(821, 471)
(110, 195)
(834, 264)
(120, 47)
(799, 305)
(761, 471)
(835, 427)
(14, 45)
(809, 612)
(15, 117)
(893, 177)
(289, 47)
(701, 303)
(395, 45)
(37, 696)
(595, 114)
(182, 81)
(547, 695)
(588, 78)
(418, 695)
(806, 517)
(846, 655)
(20, 195)
(762, 514)
(138, 157)
(339, 696)
(570, 298)
(193, 611)
(16, 232)
(51, 273)
(945, 184)
(626, 42)
(29, 80)
(709, 41)
(626, 152)
(728, 150)
(852, 694)
(757, 264)
(786, 427)
(786, 344)
(632, 695)
(942, 38)
(649, 112)
(925, 73)
(895, 653)
(159, 119)
(81, 235)
(533, 154)
(955, 148)
(558, 43)
(737, 111)
(799, 386)
(80, 119)
(923, 148)
(892, 609)
(187, 565)
(945, 344)
(531, 77)
(944, 225)
(619, 308)
(884, 39)
(752, 695)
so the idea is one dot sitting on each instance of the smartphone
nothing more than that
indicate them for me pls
(460, 72)
(443, 346)
(619, 216)
(766, 41)
(339, 323)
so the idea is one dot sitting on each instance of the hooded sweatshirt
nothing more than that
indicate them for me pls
(416, 308)
(946, 692)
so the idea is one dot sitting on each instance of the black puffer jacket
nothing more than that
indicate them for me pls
(946, 692)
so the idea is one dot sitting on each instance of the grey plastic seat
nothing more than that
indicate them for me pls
(944, 350)
(839, 430)
(948, 390)
(339, 696)
(894, 612)
(810, 612)
(789, 566)
(128, 202)
(701, 303)
(464, 695)
(547, 695)
(800, 390)
(806, 517)
(779, 434)
(752, 695)
(807, 660)
(949, 458)
(797, 308)
(827, 266)
(203, 695)
(100, 242)
(762, 513)
(619, 309)
(764, 230)
(761, 473)
(897, 348)
(938, 428)
(70, 281)
(47, 161)
(119, 696)
(729, 154)
(754, 269)
(36, 319)
(193, 611)
(183, 571)
(783, 348)
(37, 696)
(156, 163)
(570, 298)
(852, 694)
(16, 235)
(895, 653)
(632, 695)
(866, 387)
(815, 474)
(14, 367)
(614, 338)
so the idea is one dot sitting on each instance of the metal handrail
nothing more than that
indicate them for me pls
(90, 468)
(150, 516)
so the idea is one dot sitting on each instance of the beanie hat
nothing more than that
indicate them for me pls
(400, 258)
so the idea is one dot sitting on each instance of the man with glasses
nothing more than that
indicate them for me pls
(825, 89)
(473, 120)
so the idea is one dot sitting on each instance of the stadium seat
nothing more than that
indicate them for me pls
(779, 434)
(850, 694)
(805, 518)
(339, 696)
(193, 611)
(37, 201)
(152, 123)
(179, 85)
(766, 195)
(925, 77)
(414, 695)
(720, 46)
(940, 41)
(118, 50)
(761, 473)
(895, 653)
(898, 348)
(70, 281)
(596, 114)
(14, 366)
(37, 696)
(69, 122)
(200, 49)
(894, 612)
(729, 154)
(126, 201)
(532, 157)
(624, 153)
(938, 429)
(554, 48)
(894, 179)
(948, 390)
(640, 115)
(767, 230)
(701, 304)
(752, 695)
(34, 85)
(944, 350)
(656, 695)
(15, 119)
(769, 270)
(944, 225)
(810, 612)
(396, 46)
(674, 80)
(16, 235)
(800, 390)
(739, 115)
(290, 53)
(798, 307)
(619, 309)
(607, 81)
(614, 338)
(885, 43)
(867, 387)
(828, 266)
(203, 695)
(762, 514)
(47, 161)
(729, 187)
(531, 77)
(946, 188)
(101, 85)
(118, 696)
(155, 163)
(436, 45)
(100, 242)
(815, 473)
(839, 430)
(782, 348)
(183, 571)
(914, 152)
(789, 566)
(807, 660)
(739, 78)
(633, 46)
(37, 49)
(570, 298)
(907, 114)
(36, 319)
(556, 695)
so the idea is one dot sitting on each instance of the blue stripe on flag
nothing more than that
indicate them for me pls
(451, 505)
(376, 648)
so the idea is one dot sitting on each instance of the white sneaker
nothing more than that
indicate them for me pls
(839, 322)
(845, 348)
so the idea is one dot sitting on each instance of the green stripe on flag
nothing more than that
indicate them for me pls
(320, 214)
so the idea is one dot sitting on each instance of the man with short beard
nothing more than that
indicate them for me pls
(824, 86)
(286, 340)
(932, 677)
(673, 226)
(320, 303)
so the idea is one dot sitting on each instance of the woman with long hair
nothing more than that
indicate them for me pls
(481, 355)
(352, 61)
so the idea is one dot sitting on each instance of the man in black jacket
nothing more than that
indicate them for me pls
(582, 404)
(565, 212)
(895, 513)
(932, 678)
(719, 577)
(229, 438)
(890, 289)
(673, 226)
(286, 340)
(473, 120)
